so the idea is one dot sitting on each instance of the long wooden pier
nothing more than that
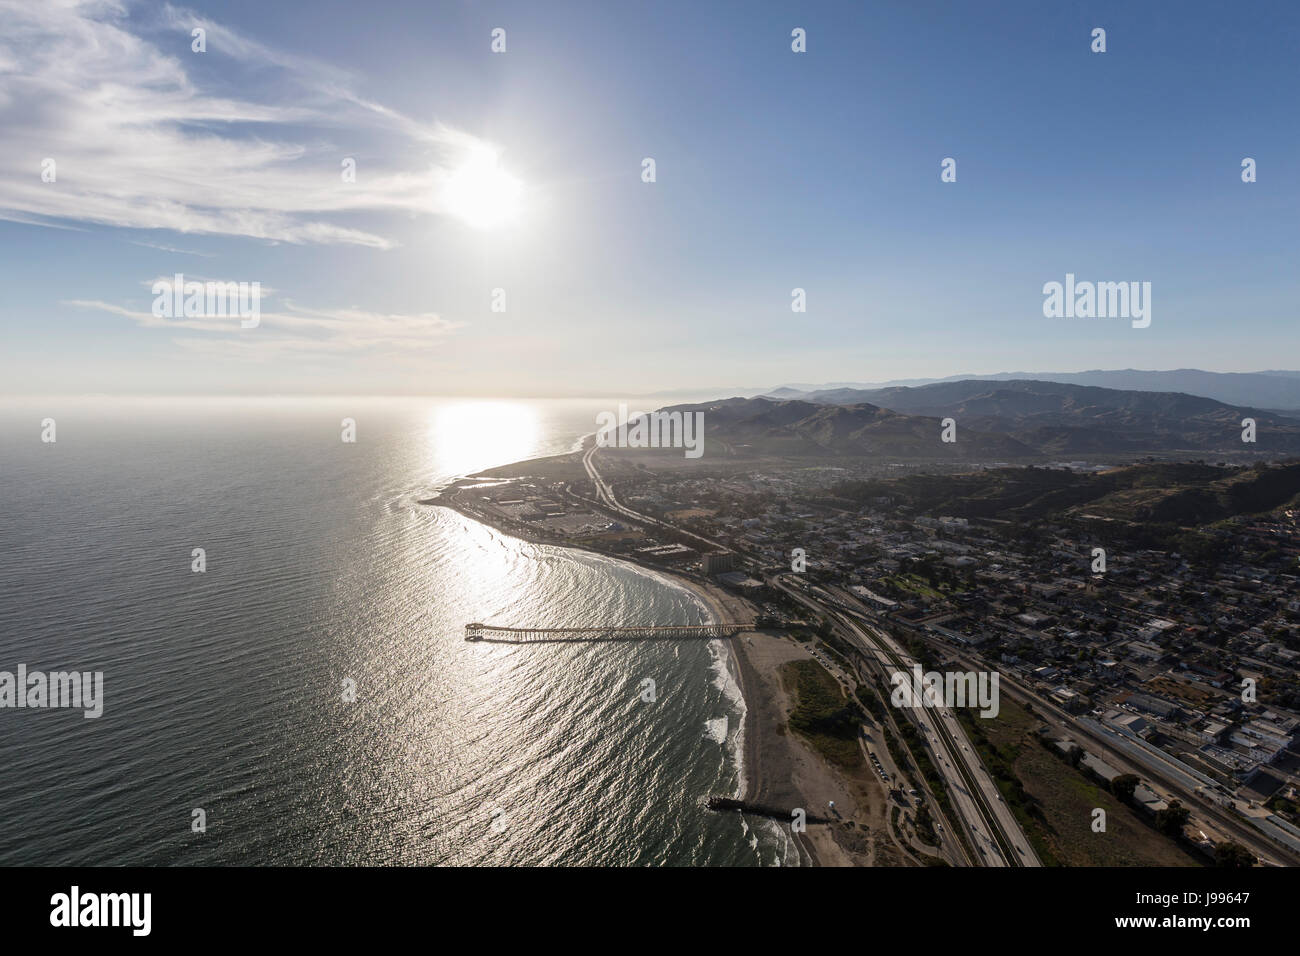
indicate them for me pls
(616, 632)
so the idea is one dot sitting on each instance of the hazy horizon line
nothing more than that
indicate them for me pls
(721, 391)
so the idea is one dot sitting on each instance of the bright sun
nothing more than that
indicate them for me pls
(481, 193)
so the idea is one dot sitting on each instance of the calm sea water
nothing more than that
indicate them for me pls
(224, 690)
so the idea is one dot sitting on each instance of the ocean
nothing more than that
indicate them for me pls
(224, 691)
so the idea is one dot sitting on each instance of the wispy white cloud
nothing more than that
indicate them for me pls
(139, 142)
(296, 330)
(163, 247)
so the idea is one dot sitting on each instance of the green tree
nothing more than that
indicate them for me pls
(1124, 785)
(1171, 820)
(1233, 856)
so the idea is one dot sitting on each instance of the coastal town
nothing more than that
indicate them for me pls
(450, 441)
(1153, 677)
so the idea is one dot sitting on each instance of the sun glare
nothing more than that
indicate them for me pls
(470, 435)
(481, 193)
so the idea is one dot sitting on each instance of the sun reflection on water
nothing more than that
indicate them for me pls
(474, 434)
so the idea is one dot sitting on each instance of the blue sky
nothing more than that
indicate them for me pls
(775, 170)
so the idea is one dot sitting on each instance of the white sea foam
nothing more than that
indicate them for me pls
(724, 680)
(716, 729)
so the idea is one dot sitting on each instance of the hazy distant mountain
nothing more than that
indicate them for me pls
(1069, 420)
(1276, 389)
(760, 426)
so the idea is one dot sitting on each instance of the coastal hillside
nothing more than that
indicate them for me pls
(761, 426)
(1186, 494)
(1273, 389)
(1060, 419)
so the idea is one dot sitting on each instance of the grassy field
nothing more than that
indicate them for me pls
(1054, 803)
(914, 584)
(822, 714)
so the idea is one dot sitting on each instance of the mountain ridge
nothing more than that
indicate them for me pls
(1272, 389)
(1018, 418)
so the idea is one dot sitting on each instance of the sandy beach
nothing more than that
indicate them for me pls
(780, 768)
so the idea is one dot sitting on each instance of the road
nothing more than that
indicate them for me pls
(994, 831)
(1207, 813)
(605, 496)
(996, 835)
(990, 821)
(1210, 815)
(968, 756)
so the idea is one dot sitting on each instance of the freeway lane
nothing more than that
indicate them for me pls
(1002, 822)
(997, 836)
(1150, 772)
(983, 824)
(605, 495)
(966, 754)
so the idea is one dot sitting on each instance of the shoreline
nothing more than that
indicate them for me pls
(744, 672)
(774, 767)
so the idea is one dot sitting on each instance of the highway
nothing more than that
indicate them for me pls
(1210, 814)
(994, 831)
(1107, 746)
(996, 835)
(967, 755)
(605, 496)
(991, 823)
